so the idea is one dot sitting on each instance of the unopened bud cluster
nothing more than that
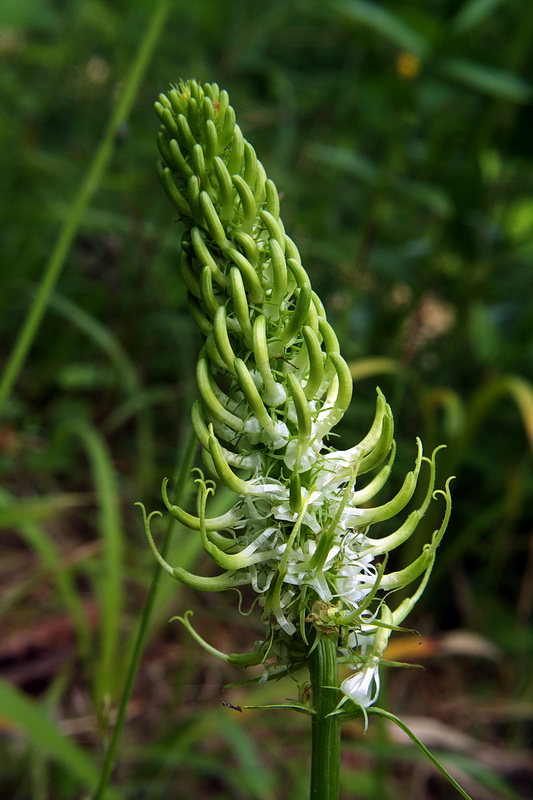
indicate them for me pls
(272, 385)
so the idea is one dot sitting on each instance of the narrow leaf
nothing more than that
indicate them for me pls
(473, 13)
(109, 582)
(387, 24)
(43, 734)
(382, 713)
(490, 80)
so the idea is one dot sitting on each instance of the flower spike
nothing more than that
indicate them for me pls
(273, 384)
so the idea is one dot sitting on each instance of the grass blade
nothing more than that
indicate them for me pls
(496, 82)
(382, 713)
(110, 582)
(140, 638)
(388, 24)
(23, 517)
(45, 737)
(473, 13)
(101, 336)
(66, 236)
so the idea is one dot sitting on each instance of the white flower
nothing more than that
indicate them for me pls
(363, 686)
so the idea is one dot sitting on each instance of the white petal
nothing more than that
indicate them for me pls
(363, 686)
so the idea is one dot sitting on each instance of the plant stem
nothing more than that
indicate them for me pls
(326, 732)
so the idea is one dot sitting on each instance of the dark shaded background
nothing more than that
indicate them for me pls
(399, 136)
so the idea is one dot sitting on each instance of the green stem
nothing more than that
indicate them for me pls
(100, 161)
(326, 732)
(109, 760)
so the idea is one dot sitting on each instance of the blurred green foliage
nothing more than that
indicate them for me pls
(399, 135)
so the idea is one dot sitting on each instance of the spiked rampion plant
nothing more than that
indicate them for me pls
(272, 385)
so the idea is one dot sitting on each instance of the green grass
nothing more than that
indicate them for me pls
(398, 134)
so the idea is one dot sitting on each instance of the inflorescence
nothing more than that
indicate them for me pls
(272, 385)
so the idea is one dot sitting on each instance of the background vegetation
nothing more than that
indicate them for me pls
(399, 135)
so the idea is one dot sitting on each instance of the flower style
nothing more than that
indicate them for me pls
(272, 385)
